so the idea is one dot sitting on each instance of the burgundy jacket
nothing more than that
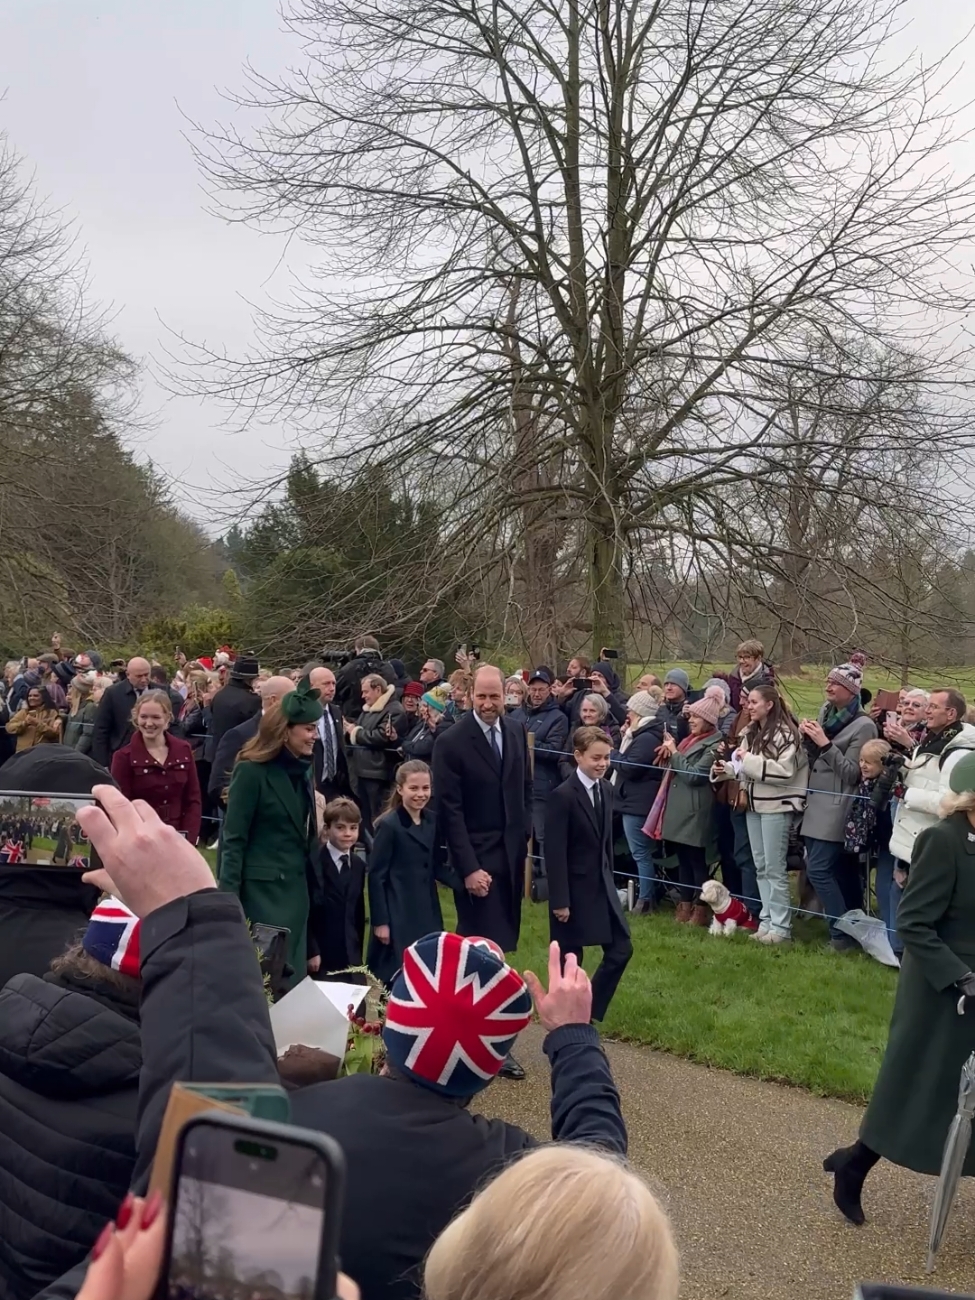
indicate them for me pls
(173, 790)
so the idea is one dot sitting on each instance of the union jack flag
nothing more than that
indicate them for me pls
(11, 852)
(454, 1012)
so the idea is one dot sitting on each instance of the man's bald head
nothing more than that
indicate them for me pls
(488, 694)
(274, 690)
(137, 671)
(322, 679)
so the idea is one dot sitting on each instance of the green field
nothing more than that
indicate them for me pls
(802, 1015)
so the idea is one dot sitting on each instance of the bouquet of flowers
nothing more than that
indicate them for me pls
(365, 1053)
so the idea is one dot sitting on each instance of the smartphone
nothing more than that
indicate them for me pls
(475, 652)
(892, 719)
(582, 683)
(256, 1209)
(42, 830)
(611, 654)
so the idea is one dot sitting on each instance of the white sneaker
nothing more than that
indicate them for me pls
(771, 938)
(761, 935)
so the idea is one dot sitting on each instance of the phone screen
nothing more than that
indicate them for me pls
(42, 830)
(248, 1219)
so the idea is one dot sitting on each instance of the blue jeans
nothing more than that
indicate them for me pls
(889, 896)
(641, 848)
(822, 868)
(769, 835)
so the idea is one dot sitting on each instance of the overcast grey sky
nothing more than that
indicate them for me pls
(93, 96)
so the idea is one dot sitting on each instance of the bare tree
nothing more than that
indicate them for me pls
(681, 196)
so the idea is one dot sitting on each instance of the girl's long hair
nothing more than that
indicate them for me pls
(413, 767)
(761, 735)
(270, 738)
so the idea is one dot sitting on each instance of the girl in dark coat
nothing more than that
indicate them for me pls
(403, 902)
(916, 1094)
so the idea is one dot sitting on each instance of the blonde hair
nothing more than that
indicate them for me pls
(563, 1223)
(874, 751)
(153, 697)
(955, 803)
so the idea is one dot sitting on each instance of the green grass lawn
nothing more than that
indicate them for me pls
(802, 1015)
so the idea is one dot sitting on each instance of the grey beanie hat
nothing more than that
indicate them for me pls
(642, 704)
(677, 677)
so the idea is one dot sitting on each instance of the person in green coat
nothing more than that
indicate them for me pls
(916, 1094)
(688, 825)
(268, 843)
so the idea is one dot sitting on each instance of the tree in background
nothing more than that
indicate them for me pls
(91, 542)
(573, 252)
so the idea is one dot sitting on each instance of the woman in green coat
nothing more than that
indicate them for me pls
(688, 818)
(268, 843)
(916, 1094)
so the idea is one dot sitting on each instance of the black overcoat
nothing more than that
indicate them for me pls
(578, 859)
(484, 818)
(403, 887)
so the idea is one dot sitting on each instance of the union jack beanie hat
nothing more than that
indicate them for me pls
(112, 937)
(454, 1011)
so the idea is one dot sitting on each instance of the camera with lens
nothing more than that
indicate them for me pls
(337, 658)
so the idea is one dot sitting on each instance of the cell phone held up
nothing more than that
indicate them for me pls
(255, 1212)
(42, 830)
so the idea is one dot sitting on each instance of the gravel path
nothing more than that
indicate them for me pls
(738, 1163)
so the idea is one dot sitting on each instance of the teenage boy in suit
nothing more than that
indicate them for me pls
(585, 909)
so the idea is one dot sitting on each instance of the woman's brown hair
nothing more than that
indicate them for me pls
(270, 738)
(761, 735)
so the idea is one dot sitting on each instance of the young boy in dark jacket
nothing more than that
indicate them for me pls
(585, 909)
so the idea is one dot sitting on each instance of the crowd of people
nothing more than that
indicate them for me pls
(722, 778)
(341, 790)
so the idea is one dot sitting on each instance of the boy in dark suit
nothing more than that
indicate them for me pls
(585, 909)
(337, 923)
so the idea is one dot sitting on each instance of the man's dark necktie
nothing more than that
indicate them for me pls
(329, 749)
(344, 862)
(597, 801)
(495, 745)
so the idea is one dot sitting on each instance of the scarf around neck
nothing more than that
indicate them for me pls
(834, 719)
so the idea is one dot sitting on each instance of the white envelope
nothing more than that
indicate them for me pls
(315, 1014)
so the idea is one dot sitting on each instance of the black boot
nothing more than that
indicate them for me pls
(849, 1167)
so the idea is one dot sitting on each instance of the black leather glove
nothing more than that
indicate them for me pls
(966, 985)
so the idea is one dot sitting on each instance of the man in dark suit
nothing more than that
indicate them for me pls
(236, 702)
(330, 759)
(113, 722)
(585, 908)
(234, 740)
(482, 784)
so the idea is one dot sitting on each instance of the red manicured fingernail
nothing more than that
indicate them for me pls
(125, 1212)
(104, 1237)
(151, 1213)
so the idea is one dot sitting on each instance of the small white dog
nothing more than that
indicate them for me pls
(730, 914)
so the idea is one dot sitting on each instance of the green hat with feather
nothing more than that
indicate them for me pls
(302, 705)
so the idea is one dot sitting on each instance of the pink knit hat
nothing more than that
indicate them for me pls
(709, 709)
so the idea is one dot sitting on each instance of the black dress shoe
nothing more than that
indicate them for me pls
(511, 1069)
(849, 1167)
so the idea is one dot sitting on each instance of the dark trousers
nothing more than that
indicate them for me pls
(824, 869)
(371, 796)
(746, 864)
(692, 871)
(616, 956)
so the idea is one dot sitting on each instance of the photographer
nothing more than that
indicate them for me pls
(367, 660)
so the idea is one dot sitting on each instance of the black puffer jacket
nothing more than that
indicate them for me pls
(70, 1057)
